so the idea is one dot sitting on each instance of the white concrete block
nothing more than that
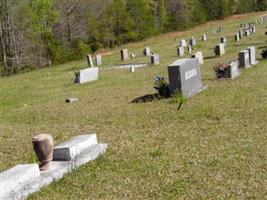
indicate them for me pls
(73, 147)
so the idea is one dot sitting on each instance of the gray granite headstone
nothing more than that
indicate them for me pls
(90, 60)
(199, 56)
(155, 59)
(185, 77)
(219, 50)
(87, 75)
(243, 58)
(252, 55)
(124, 54)
(180, 51)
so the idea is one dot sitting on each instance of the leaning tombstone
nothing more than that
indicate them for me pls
(124, 54)
(204, 37)
(90, 60)
(199, 56)
(147, 51)
(185, 77)
(180, 51)
(237, 39)
(219, 50)
(183, 43)
(252, 55)
(98, 60)
(87, 75)
(243, 58)
(155, 59)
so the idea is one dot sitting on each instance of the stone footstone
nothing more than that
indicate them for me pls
(87, 75)
(185, 77)
(199, 56)
(71, 100)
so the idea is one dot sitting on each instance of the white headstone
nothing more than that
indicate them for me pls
(90, 60)
(124, 54)
(219, 50)
(199, 56)
(87, 75)
(180, 51)
(252, 55)
(183, 43)
(98, 60)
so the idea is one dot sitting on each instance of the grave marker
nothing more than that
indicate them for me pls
(124, 54)
(237, 39)
(185, 77)
(98, 60)
(243, 58)
(87, 75)
(199, 56)
(90, 60)
(155, 59)
(180, 51)
(147, 51)
(252, 55)
(183, 43)
(219, 50)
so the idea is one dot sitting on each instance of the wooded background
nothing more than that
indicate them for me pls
(36, 33)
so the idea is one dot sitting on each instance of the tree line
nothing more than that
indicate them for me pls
(36, 33)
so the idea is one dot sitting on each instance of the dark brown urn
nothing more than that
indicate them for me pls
(43, 147)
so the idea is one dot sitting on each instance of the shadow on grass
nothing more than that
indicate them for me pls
(210, 57)
(148, 98)
(250, 44)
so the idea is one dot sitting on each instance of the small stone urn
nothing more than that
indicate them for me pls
(43, 147)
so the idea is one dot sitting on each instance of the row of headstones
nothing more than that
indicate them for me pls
(155, 58)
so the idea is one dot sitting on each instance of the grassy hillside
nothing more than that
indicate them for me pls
(213, 148)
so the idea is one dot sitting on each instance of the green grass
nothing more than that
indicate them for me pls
(213, 148)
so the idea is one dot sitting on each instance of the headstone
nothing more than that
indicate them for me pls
(223, 41)
(87, 75)
(90, 60)
(253, 29)
(199, 56)
(180, 51)
(12, 181)
(70, 149)
(204, 37)
(233, 70)
(252, 55)
(237, 39)
(243, 58)
(147, 51)
(219, 50)
(192, 42)
(124, 54)
(240, 34)
(98, 60)
(183, 43)
(220, 30)
(189, 49)
(155, 59)
(185, 77)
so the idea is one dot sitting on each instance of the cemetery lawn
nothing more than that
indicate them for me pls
(213, 148)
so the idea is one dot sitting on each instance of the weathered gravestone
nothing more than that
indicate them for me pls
(147, 51)
(240, 34)
(87, 75)
(243, 58)
(252, 55)
(219, 50)
(124, 54)
(204, 37)
(237, 39)
(185, 77)
(192, 42)
(180, 51)
(183, 43)
(155, 59)
(98, 60)
(89, 60)
(199, 56)
(223, 41)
